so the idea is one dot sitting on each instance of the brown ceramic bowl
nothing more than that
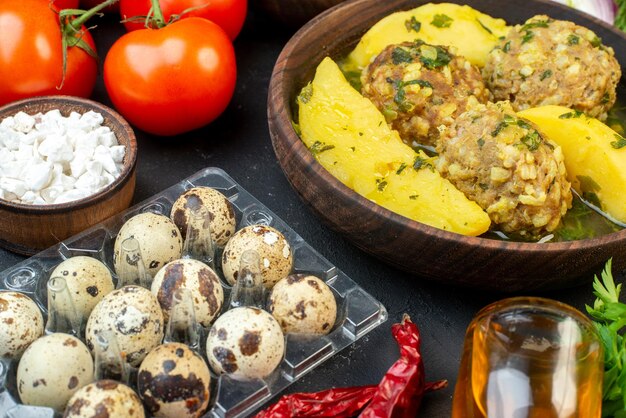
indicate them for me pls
(427, 252)
(27, 229)
(294, 13)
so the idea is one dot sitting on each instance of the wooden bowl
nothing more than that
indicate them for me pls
(427, 252)
(27, 229)
(294, 13)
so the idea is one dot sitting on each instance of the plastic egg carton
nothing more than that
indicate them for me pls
(357, 312)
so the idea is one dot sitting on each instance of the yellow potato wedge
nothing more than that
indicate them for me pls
(350, 138)
(595, 155)
(471, 32)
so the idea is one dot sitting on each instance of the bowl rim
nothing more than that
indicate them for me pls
(278, 113)
(130, 156)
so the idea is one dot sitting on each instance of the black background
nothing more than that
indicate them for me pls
(239, 143)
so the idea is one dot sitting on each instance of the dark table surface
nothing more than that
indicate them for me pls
(239, 142)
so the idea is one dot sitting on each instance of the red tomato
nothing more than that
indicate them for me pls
(171, 80)
(31, 56)
(66, 4)
(88, 4)
(228, 14)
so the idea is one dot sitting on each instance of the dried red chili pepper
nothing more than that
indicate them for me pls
(398, 395)
(400, 391)
(340, 402)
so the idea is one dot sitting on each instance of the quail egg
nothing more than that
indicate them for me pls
(220, 210)
(159, 241)
(105, 398)
(88, 281)
(303, 304)
(21, 323)
(205, 287)
(173, 381)
(273, 249)
(245, 343)
(52, 369)
(134, 315)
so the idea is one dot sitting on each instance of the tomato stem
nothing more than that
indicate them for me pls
(82, 17)
(155, 17)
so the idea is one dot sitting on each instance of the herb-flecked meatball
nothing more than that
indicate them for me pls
(553, 62)
(506, 166)
(420, 87)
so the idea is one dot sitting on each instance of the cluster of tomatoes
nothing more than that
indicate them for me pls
(170, 74)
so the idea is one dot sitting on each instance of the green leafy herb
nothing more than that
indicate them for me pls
(609, 316)
(596, 42)
(399, 55)
(573, 40)
(306, 93)
(545, 74)
(605, 98)
(434, 56)
(571, 115)
(389, 114)
(499, 127)
(528, 36)
(420, 163)
(536, 24)
(354, 78)
(484, 27)
(381, 184)
(353, 149)
(414, 196)
(532, 140)
(620, 142)
(481, 142)
(442, 21)
(412, 24)
(401, 168)
(620, 18)
(319, 147)
(507, 46)
(483, 186)
(523, 124)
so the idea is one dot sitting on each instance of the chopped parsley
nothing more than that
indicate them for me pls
(620, 142)
(381, 184)
(596, 42)
(507, 46)
(532, 140)
(306, 93)
(528, 36)
(605, 98)
(523, 124)
(420, 163)
(412, 24)
(401, 168)
(414, 196)
(499, 127)
(399, 55)
(319, 147)
(571, 115)
(483, 186)
(353, 149)
(442, 21)
(484, 27)
(573, 40)
(480, 142)
(537, 24)
(545, 74)
(434, 56)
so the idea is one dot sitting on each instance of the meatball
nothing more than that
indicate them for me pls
(505, 165)
(420, 87)
(553, 62)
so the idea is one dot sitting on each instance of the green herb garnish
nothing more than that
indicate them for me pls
(480, 142)
(381, 184)
(484, 27)
(442, 21)
(499, 127)
(620, 142)
(532, 140)
(319, 147)
(596, 42)
(571, 115)
(402, 167)
(420, 163)
(483, 186)
(412, 24)
(434, 56)
(399, 55)
(507, 46)
(605, 98)
(545, 74)
(537, 24)
(527, 37)
(414, 196)
(573, 40)
(306, 93)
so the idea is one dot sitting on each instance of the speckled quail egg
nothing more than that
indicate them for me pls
(173, 381)
(105, 398)
(205, 287)
(52, 369)
(159, 241)
(21, 323)
(134, 315)
(245, 343)
(274, 251)
(220, 210)
(303, 304)
(88, 281)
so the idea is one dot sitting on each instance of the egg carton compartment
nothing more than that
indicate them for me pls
(357, 312)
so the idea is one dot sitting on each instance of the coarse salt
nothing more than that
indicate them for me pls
(48, 158)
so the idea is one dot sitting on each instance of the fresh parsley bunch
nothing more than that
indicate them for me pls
(610, 318)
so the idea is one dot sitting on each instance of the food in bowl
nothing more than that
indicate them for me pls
(535, 208)
(48, 158)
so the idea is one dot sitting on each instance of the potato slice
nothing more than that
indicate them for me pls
(350, 138)
(595, 155)
(471, 32)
